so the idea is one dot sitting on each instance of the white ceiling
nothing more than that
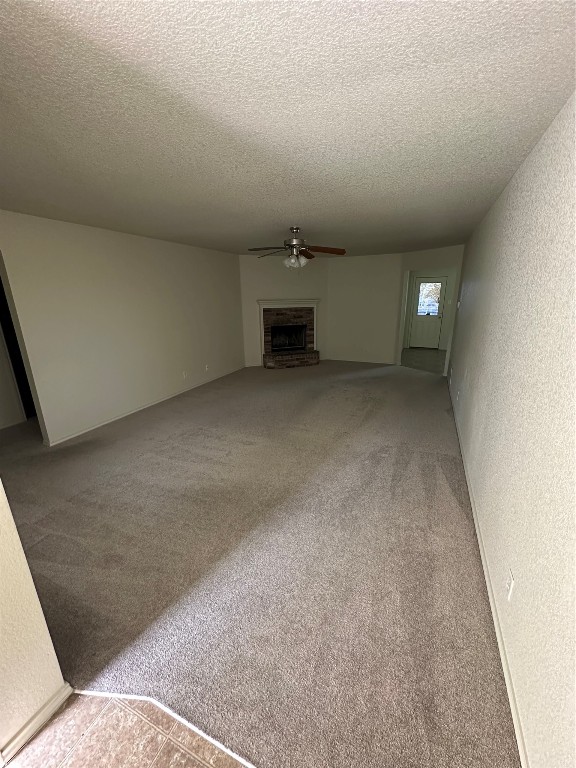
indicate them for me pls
(376, 126)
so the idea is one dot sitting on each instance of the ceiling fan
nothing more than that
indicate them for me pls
(300, 252)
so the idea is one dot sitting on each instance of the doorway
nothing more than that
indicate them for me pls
(427, 317)
(15, 355)
(426, 312)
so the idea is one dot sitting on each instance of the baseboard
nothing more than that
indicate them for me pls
(495, 618)
(173, 714)
(52, 443)
(35, 723)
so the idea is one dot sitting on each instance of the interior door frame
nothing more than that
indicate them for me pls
(23, 350)
(407, 285)
(412, 300)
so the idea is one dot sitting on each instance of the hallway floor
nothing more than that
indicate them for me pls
(431, 360)
(285, 558)
(114, 732)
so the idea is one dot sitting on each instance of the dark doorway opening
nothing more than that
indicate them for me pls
(15, 355)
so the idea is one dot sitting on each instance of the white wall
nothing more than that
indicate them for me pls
(363, 308)
(513, 389)
(11, 411)
(268, 278)
(358, 311)
(110, 322)
(30, 677)
(434, 258)
(360, 299)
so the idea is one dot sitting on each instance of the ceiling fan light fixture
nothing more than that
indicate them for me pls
(300, 253)
(295, 261)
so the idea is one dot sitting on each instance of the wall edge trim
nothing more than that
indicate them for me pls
(35, 723)
(520, 741)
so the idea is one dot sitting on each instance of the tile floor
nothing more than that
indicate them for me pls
(431, 360)
(103, 732)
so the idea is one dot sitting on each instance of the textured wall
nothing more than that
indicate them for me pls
(110, 322)
(513, 392)
(29, 670)
(11, 411)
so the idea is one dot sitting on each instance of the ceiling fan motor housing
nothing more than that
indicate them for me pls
(300, 253)
(294, 243)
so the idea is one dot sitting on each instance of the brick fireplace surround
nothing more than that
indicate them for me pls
(289, 316)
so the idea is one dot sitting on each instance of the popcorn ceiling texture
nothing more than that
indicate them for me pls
(379, 126)
(513, 367)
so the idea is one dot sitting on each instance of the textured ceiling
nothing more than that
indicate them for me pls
(377, 126)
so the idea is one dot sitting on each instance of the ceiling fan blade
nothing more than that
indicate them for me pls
(307, 253)
(267, 254)
(326, 249)
(267, 248)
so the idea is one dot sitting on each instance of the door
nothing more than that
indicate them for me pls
(426, 311)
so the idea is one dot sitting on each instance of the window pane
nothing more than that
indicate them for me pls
(429, 298)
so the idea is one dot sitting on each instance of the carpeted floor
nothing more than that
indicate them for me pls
(286, 558)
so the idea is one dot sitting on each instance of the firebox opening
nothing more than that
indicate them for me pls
(288, 338)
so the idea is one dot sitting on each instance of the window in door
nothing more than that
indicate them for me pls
(429, 299)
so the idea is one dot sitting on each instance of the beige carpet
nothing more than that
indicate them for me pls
(286, 558)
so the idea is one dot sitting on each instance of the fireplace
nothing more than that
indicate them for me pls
(288, 338)
(288, 334)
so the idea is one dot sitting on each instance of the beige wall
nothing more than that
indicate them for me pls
(363, 308)
(112, 322)
(268, 278)
(513, 392)
(11, 411)
(30, 676)
(360, 299)
(358, 309)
